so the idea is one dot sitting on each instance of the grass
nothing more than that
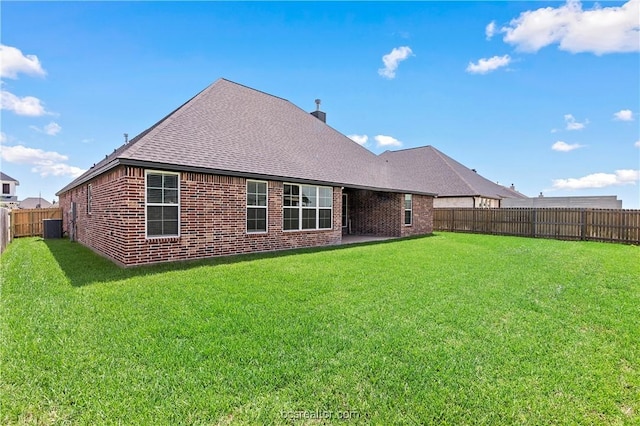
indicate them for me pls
(450, 329)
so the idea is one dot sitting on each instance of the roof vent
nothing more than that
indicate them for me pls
(319, 114)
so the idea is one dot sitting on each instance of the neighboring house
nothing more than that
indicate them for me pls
(455, 184)
(9, 197)
(582, 202)
(34, 203)
(236, 170)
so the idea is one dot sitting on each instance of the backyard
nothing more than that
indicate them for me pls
(451, 329)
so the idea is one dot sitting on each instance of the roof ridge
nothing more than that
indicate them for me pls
(445, 159)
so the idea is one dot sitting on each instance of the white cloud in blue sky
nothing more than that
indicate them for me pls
(13, 62)
(387, 141)
(45, 163)
(490, 30)
(392, 59)
(562, 146)
(599, 30)
(599, 180)
(28, 105)
(572, 124)
(359, 139)
(50, 129)
(484, 65)
(623, 115)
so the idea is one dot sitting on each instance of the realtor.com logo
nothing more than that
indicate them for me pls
(319, 414)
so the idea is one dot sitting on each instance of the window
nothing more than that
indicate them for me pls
(256, 206)
(307, 207)
(163, 205)
(408, 209)
(6, 188)
(89, 198)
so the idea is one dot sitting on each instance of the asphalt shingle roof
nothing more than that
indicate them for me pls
(229, 128)
(443, 175)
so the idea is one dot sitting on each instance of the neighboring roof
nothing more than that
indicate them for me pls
(444, 175)
(235, 130)
(34, 203)
(6, 178)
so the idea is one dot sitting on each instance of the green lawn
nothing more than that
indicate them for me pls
(450, 329)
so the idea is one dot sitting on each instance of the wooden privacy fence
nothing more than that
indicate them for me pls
(621, 226)
(28, 222)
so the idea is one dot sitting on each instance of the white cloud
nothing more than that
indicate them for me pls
(572, 124)
(12, 62)
(359, 139)
(599, 180)
(598, 30)
(3, 137)
(50, 129)
(490, 30)
(46, 163)
(393, 59)
(623, 115)
(637, 144)
(22, 106)
(487, 65)
(383, 140)
(565, 147)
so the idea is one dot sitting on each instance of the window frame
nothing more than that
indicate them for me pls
(89, 198)
(8, 186)
(408, 197)
(265, 207)
(147, 204)
(317, 208)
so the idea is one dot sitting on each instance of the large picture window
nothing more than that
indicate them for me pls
(307, 207)
(163, 204)
(256, 206)
(408, 209)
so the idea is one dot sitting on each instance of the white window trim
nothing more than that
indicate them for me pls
(301, 208)
(405, 209)
(266, 207)
(89, 198)
(147, 204)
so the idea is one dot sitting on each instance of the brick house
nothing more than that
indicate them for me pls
(235, 170)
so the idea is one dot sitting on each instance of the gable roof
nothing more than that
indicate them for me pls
(444, 175)
(231, 129)
(7, 178)
(34, 203)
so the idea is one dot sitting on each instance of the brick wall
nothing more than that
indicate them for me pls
(422, 223)
(382, 214)
(375, 213)
(212, 222)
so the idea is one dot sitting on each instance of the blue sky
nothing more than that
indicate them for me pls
(544, 95)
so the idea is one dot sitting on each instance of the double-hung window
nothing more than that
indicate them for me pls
(163, 204)
(256, 206)
(408, 209)
(307, 207)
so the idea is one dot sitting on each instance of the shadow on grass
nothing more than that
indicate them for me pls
(82, 266)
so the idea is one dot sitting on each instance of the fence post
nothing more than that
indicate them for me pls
(533, 222)
(583, 224)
